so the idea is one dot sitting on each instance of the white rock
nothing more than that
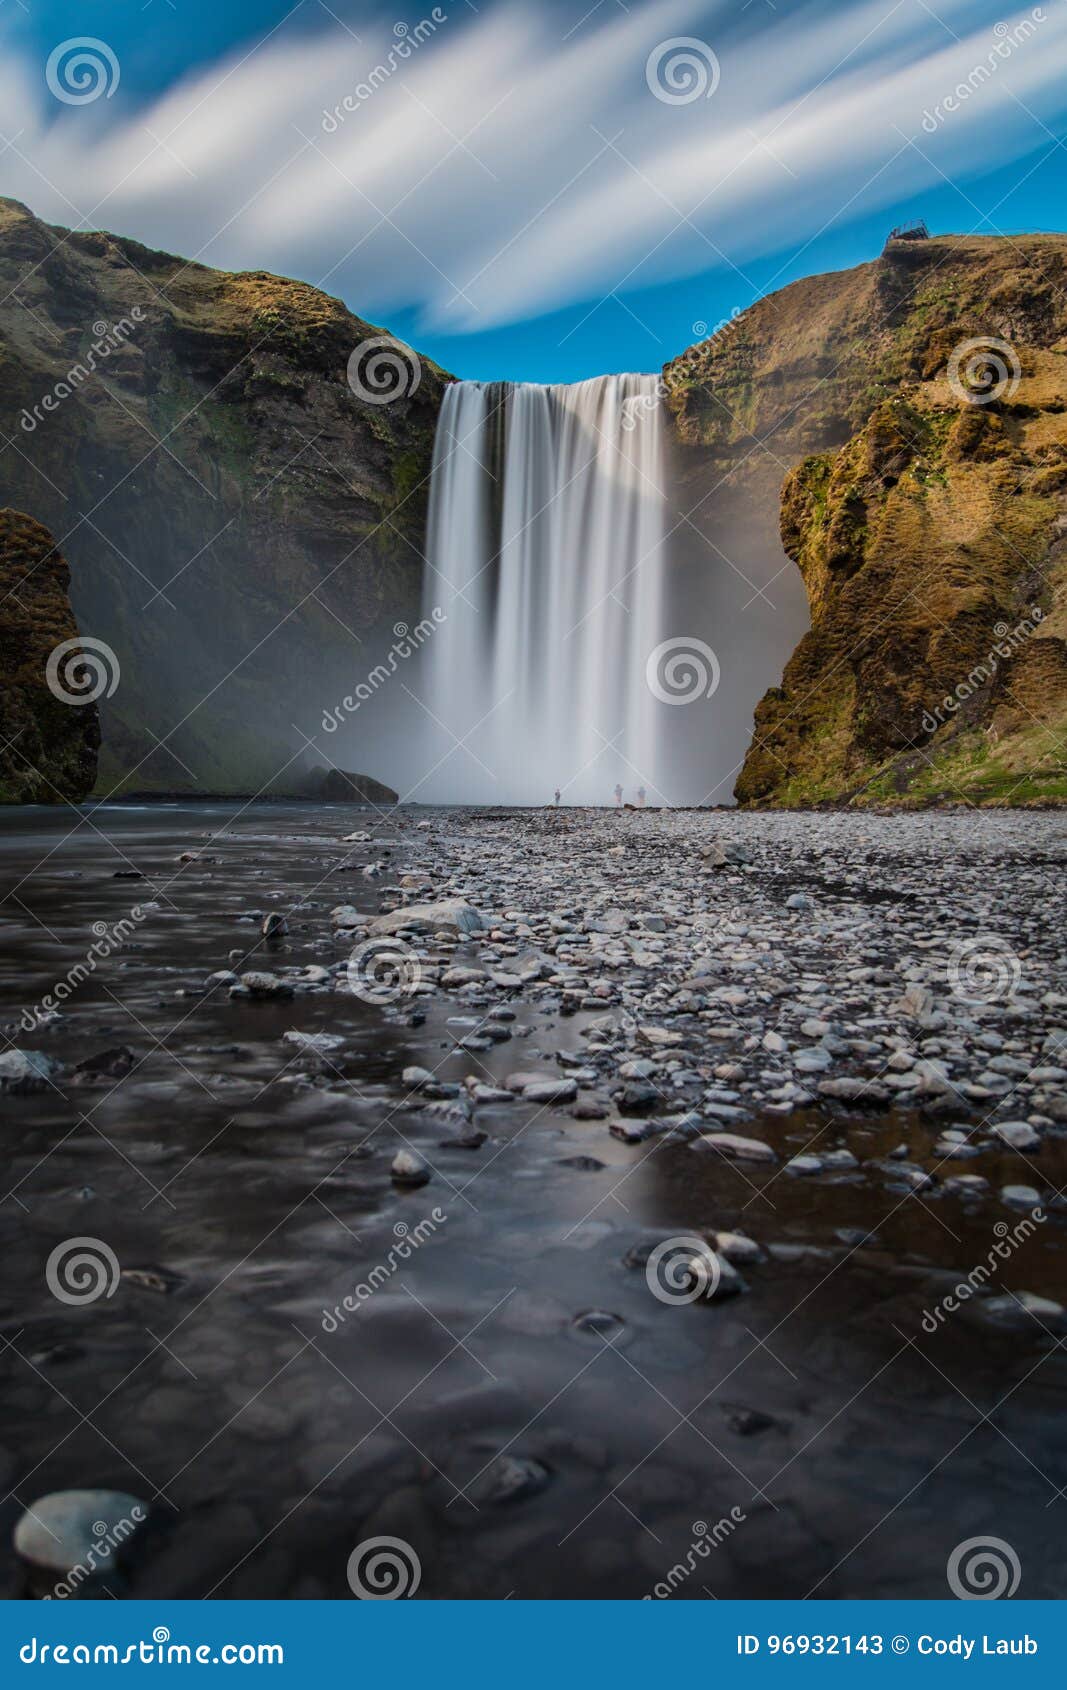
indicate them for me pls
(19, 1066)
(1020, 1196)
(1018, 1135)
(550, 1091)
(804, 1165)
(260, 984)
(61, 1531)
(737, 1248)
(452, 912)
(313, 1041)
(734, 1146)
(346, 915)
(816, 1060)
(408, 1168)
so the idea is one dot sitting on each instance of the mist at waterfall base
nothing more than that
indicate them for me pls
(579, 633)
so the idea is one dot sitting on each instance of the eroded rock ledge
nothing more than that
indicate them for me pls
(926, 512)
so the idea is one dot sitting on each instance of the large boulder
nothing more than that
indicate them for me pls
(452, 912)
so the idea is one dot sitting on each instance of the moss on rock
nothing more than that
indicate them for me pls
(926, 514)
(48, 746)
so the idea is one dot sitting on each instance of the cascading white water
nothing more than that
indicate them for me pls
(545, 554)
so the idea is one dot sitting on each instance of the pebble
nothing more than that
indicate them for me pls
(509, 1479)
(632, 1132)
(408, 1168)
(590, 1109)
(737, 1148)
(736, 1247)
(804, 1165)
(62, 1530)
(550, 1091)
(259, 984)
(25, 1070)
(718, 1278)
(1020, 1196)
(313, 1041)
(1021, 1311)
(481, 1093)
(1018, 1135)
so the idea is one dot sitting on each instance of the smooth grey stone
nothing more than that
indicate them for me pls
(70, 1528)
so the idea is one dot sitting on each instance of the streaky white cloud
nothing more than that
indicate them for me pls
(495, 169)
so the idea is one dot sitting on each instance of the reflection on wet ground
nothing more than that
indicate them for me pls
(460, 1402)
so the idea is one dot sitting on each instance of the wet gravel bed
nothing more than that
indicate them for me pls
(385, 1122)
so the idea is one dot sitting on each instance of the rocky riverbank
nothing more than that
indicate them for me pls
(756, 969)
(534, 1188)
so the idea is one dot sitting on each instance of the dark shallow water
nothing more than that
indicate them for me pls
(859, 1448)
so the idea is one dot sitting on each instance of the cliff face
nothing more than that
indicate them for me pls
(49, 733)
(924, 501)
(245, 524)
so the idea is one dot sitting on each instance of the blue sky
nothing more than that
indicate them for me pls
(513, 195)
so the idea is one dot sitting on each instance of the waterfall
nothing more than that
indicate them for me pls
(545, 556)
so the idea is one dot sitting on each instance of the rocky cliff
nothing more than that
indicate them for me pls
(907, 423)
(49, 726)
(244, 517)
